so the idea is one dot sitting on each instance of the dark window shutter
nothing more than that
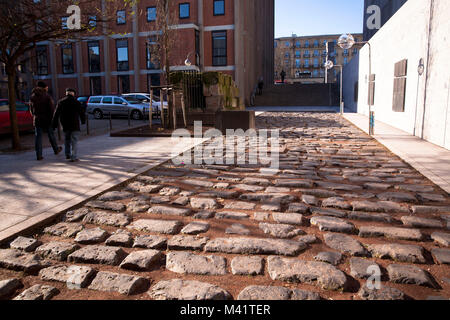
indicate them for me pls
(400, 73)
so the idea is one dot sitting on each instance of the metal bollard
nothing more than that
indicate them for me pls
(372, 123)
(129, 120)
(110, 122)
(87, 124)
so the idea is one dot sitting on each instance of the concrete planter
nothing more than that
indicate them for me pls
(235, 120)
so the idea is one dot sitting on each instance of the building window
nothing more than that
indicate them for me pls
(287, 55)
(197, 47)
(219, 7)
(64, 23)
(121, 17)
(316, 43)
(42, 61)
(306, 44)
(95, 84)
(219, 48)
(94, 56)
(275, 44)
(184, 9)
(316, 53)
(316, 63)
(297, 44)
(123, 84)
(306, 54)
(122, 55)
(150, 53)
(345, 61)
(287, 44)
(298, 63)
(67, 58)
(151, 14)
(307, 63)
(325, 43)
(297, 54)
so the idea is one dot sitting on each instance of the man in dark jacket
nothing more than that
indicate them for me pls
(42, 110)
(69, 111)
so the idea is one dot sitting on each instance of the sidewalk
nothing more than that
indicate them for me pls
(294, 109)
(427, 158)
(32, 192)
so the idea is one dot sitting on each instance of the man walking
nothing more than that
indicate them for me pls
(69, 111)
(42, 109)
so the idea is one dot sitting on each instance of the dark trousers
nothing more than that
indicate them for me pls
(38, 140)
(71, 144)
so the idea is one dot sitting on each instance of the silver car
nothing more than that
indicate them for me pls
(103, 106)
(145, 98)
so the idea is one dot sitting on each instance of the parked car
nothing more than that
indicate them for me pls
(145, 97)
(101, 106)
(24, 117)
(83, 100)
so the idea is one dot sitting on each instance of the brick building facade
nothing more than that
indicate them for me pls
(302, 58)
(230, 36)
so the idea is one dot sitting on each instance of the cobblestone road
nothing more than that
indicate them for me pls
(340, 208)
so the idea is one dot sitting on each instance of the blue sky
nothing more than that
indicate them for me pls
(314, 17)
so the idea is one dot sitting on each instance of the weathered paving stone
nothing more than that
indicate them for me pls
(150, 242)
(237, 228)
(75, 215)
(8, 287)
(248, 187)
(106, 205)
(204, 215)
(169, 191)
(188, 263)
(321, 193)
(297, 183)
(98, 255)
(256, 181)
(432, 197)
(57, 250)
(277, 190)
(261, 216)
(178, 289)
(384, 293)
(442, 256)
(282, 231)
(288, 218)
(398, 252)
(91, 236)
(181, 242)
(377, 186)
(415, 188)
(329, 212)
(76, 277)
(270, 207)
(418, 222)
(293, 270)
(409, 275)
(138, 206)
(361, 268)
(198, 183)
(332, 224)
(255, 246)
(157, 226)
(195, 228)
(240, 205)
(159, 200)
(310, 200)
(380, 206)
(143, 260)
(231, 215)
(142, 187)
(64, 229)
(115, 195)
(250, 265)
(170, 211)
(204, 203)
(441, 238)
(121, 283)
(333, 258)
(107, 219)
(338, 187)
(221, 185)
(390, 233)
(268, 197)
(365, 216)
(308, 239)
(220, 194)
(181, 201)
(25, 244)
(38, 292)
(297, 208)
(344, 244)
(120, 238)
(336, 202)
(269, 293)
(416, 209)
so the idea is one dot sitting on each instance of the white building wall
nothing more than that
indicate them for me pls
(420, 29)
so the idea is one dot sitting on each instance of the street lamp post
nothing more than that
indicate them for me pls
(347, 41)
(330, 65)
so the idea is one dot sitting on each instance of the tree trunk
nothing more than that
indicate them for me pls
(15, 139)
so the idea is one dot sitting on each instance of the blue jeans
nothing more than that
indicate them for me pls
(71, 144)
(38, 140)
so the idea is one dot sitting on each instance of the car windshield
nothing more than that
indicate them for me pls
(132, 100)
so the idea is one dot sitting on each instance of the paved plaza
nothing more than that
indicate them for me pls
(340, 206)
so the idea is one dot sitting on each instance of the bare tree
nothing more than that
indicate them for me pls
(25, 23)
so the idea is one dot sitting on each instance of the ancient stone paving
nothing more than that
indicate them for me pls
(340, 208)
